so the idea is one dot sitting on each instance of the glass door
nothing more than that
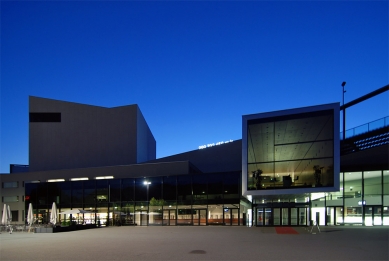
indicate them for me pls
(293, 216)
(202, 217)
(227, 216)
(230, 216)
(141, 218)
(277, 216)
(285, 216)
(260, 217)
(199, 217)
(169, 217)
(377, 219)
(330, 216)
(235, 216)
(302, 212)
(268, 217)
(372, 215)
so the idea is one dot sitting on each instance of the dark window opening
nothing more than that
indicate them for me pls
(45, 117)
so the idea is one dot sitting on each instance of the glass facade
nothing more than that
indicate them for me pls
(197, 199)
(291, 151)
(363, 199)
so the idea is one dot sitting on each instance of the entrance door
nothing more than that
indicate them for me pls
(302, 212)
(141, 218)
(334, 216)
(260, 216)
(199, 217)
(281, 216)
(372, 215)
(230, 216)
(330, 216)
(169, 217)
(276, 216)
(268, 217)
(293, 216)
(285, 216)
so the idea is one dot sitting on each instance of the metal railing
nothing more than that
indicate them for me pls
(377, 124)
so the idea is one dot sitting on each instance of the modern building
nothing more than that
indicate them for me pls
(66, 135)
(289, 168)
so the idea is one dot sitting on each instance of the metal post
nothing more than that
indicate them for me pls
(344, 113)
(147, 183)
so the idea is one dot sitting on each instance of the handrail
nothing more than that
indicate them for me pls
(380, 123)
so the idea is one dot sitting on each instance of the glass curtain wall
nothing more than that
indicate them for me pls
(184, 200)
(128, 201)
(89, 201)
(372, 197)
(142, 201)
(116, 216)
(352, 195)
(155, 201)
(102, 195)
(200, 199)
(294, 151)
(171, 200)
(169, 190)
(385, 205)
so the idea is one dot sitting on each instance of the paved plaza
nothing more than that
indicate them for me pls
(198, 243)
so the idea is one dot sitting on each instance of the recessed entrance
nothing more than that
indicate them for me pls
(276, 216)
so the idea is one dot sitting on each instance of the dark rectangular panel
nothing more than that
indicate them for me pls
(45, 117)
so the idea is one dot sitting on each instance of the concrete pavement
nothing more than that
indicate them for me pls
(198, 243)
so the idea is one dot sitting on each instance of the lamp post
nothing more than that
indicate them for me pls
(147, 183)
(344, 113)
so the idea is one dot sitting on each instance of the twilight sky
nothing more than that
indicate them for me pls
(193, 67)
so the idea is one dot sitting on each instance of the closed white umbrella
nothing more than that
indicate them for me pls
(9, 215)
(53, 214)
(4, 218)
(9, 219)
(30, 216)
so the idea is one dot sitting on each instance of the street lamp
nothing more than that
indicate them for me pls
(344, 113)
(147, 183)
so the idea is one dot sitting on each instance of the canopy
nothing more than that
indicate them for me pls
(53, 214)
(75, 211)
(9, 215)
(4, 218)
(30, 215)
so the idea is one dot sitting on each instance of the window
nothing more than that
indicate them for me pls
(45, 117)
(10, 199)
(291, 150)
(15, 215)
(11, 184)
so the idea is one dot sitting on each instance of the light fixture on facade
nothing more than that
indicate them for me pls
(32, 181)
(55, 180)
(78, 179)
(104, 177)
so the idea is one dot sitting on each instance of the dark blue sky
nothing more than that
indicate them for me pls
(193, 67)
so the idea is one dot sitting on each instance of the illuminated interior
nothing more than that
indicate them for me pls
(291, 151)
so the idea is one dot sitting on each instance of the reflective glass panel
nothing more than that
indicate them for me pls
(184, 190)
(128, 190)
(372, 187)
(291, 151)
(169, 188)
(199, 183)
